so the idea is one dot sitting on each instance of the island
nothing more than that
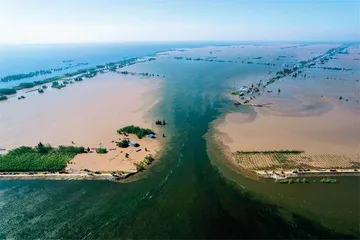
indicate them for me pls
(72, 162)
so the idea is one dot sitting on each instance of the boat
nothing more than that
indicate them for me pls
(236, 103)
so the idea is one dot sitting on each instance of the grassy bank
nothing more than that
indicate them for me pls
(40, 158)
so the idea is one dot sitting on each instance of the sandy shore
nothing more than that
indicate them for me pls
(307, 115)
(87, 113)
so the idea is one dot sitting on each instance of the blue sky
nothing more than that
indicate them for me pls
(64, 21)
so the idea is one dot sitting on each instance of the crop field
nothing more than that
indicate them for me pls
(269, 160)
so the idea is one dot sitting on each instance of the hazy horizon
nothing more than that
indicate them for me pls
(110, 21)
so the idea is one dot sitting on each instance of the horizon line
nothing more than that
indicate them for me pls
(185, 41)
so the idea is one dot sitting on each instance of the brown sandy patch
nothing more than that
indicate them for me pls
(335, 132)
(115, 159)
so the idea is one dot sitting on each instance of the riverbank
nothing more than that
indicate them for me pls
(88, 114)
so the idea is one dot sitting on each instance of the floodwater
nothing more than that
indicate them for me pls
(190, 192)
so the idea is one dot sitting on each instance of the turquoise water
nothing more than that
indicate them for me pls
(185, 194)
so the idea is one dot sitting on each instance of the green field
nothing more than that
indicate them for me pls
(40, 158)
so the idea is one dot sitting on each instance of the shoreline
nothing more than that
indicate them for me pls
(275, 172)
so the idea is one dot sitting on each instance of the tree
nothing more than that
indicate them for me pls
(123, 144)
(41, 148)
(101, 150)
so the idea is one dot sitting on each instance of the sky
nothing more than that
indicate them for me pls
(97, 21)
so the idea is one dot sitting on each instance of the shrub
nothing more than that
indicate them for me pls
(101, 150)
(26, 85)
(148, 159)
(7, 91)
(139, 167)
(2, 98)
(139, 132)
(123, 144)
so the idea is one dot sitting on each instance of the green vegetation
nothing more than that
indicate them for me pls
(80, 71)
(147, 161)
(40, 158)
(123, 144)
(78, 79)
(26, 85)
(298, 180)
(2, 98)
(23, 75)
(57, 85)
(7, 91)
(235, 93)
(33, 84)
(291, 180)
(139, 167)
(271, 152)
(140, 132)
(101, 150)
(328, 180)
(39, 72)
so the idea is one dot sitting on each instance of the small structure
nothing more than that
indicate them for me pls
(152, 135)
(134, 144)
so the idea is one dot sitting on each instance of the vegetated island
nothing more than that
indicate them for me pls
(72, 77)
(73, 162)
(16, 77)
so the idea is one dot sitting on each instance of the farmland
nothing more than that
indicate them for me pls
(288, 160)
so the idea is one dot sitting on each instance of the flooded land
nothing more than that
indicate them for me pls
(210, 158)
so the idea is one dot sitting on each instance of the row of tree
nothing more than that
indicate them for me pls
(161, 123)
